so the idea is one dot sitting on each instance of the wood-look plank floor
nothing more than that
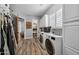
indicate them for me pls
(30, 47)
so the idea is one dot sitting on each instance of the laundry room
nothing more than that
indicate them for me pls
(39, 29)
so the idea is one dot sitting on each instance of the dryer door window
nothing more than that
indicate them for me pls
(50, 48)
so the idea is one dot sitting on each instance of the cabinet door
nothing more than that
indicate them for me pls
(52, 20)
(72, 36)
(70, 11)
(59, 18)
(71, 39)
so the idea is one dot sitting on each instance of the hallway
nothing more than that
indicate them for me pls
(39, 29)
(30, 47)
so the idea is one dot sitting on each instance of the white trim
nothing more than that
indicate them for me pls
(76, 23)
(72, 49)
(71, 20)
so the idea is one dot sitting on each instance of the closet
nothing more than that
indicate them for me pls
(8, 36)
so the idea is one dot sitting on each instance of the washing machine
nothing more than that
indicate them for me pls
(53, 44)
(42, 40)
(43, 32)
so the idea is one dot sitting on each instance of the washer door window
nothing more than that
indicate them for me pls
(49, 47)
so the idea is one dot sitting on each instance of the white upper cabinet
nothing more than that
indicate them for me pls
(44, 21)
(55, 16)
(59, 18)
(51, 21)
(55, 19)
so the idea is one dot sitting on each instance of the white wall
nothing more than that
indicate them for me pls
(71, 29)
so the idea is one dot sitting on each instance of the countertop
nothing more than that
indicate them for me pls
(52, 35)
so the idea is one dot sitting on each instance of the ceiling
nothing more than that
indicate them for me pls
(31, 9)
